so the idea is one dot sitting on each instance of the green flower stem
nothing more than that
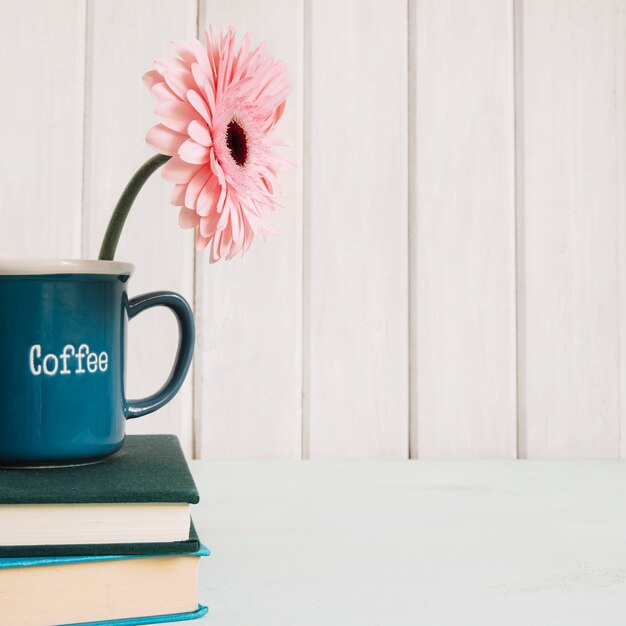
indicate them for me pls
(122, 208)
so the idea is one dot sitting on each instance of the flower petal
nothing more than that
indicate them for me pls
(217, 169)
(164, 140)
(225, 243)
(163, 64)
(248, 238)
(175, 115)
(198, 103)
(268, 183)
(225, 214)
(184, 51)
(199, 133)
(193, 152)
(179, 81)
(199, 75)
(213, 48)
(207, 200)
(202, 242)
(195, 187)
(234, 249)
(215, 246)
(242, 57)
(151, 78)
(177, 171)
(279, 111)
(187, 218)
(202, 57)
(235, 221)
(222, 198)
(208, 225)
(178, 195)
(209, 91)
(162, 93)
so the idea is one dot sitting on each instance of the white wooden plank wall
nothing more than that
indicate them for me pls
(42, 52)
(570, 213)
(463, 211)
(356, 298)
(450, 278)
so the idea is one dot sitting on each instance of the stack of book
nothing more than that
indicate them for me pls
(112, 542)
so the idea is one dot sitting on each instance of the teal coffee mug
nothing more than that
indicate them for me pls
(63, 331)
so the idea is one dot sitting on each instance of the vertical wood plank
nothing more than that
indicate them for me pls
(620, 105)
(572, 178)
(42, 52)
(248, 374)
(463, 231)
(356, 255)
(123, 40)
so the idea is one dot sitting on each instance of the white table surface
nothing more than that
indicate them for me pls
(422, 542)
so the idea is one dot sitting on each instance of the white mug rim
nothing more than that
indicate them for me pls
(44, 267)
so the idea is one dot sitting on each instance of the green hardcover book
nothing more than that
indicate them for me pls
(135, 502)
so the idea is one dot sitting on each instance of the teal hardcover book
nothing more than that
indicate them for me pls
(121, 590)
(155, 619)
(134, 502)
(13, 562)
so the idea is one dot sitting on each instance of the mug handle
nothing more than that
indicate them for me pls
(186, 337)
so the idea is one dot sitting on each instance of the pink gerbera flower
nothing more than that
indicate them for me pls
(217, 108)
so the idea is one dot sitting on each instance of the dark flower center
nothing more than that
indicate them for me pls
(237, 142)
